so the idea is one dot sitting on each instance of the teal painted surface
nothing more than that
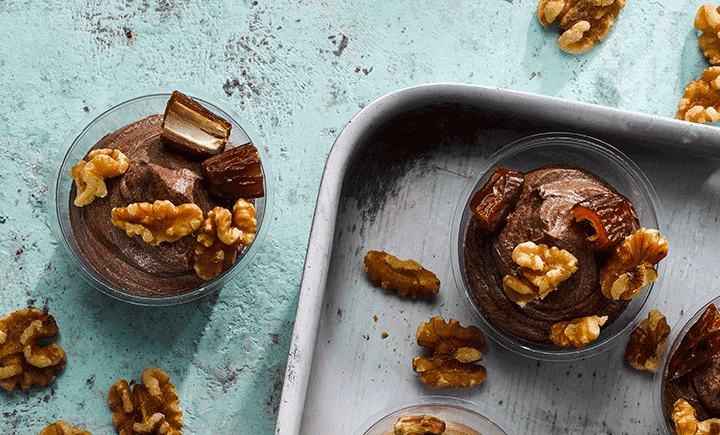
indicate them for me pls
(297, 71)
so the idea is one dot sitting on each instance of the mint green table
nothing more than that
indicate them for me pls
(297, 71)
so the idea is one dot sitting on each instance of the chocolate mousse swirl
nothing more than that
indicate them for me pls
(542, 215)
(155, 172)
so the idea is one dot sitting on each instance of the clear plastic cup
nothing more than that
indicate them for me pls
(461, 417)
(603, 160)
(677, 332)
(111, 116)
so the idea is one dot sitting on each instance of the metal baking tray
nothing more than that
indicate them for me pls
(392, 182)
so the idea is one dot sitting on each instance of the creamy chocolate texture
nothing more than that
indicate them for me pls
(155, 172)
(700, 388)
(541, 215)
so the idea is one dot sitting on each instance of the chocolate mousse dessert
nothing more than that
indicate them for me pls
(158, 207)
(691, 385)
(548, 256)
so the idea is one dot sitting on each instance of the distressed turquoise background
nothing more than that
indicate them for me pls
(297, 71)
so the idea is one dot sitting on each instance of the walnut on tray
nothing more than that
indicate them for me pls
(90, 175)
(455, 349)
(646, 340)
(407, 278)
(22, 361)
(686, 422)
(541, 270)
(707, 20)
(152, 407)
(62, 428)
(577, 332)
(161, 221)
(631, 265)
(701, 100)
(220, 236)
(586, 22)
(419, 425)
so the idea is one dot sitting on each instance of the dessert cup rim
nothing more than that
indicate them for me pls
(62, 230)
(580, 144)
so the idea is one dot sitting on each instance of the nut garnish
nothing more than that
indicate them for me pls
(407, 278)
(62, 428)
(707, 20)
(646, 340)
(701, 101)
(611, 218)
(151, 407)
(220, 236)
(455, 349)
(189, 127)
(577, 332)
(686, 422)
(495, 200)
(235, 173)
(158, 222)
(586, 22)
(90, 176)
(541, 268)
(419, 425)
(631, 265)
(22, 361)
(700, 343)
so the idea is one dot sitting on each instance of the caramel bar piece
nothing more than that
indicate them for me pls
(191, 128)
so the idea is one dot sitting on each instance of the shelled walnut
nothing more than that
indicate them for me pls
(90, 175)
(220, 236)
(22, 361)
(646, 340)
(541, 269)
(577, 332)
(419, 425)
(161, 221)
(686, 422)
(62, 428)
(701, 101)
(151, 407)
(407, 278)
(586, 22)
(455, 349)
(707, 20)
(631, 265)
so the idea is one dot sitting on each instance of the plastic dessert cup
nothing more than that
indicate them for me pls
(603, 160)
(111, 116)
(460, 416)
(677, 332)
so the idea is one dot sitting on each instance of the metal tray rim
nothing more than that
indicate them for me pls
(674, 133)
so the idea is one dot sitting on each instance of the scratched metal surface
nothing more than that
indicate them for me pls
(393, 183)
(297, 70)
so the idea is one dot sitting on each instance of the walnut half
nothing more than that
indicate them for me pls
(62, 428)
(631, 265)
(686, 422)
(586, 22)
(455, 349)
(701, 101)
(541, 268)
(577, 332)
(646, 340)
(90, 176)
(151, 407)
(22, 361)
(419, 425)
(406, 277)
(707, 20)
(161, 221)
